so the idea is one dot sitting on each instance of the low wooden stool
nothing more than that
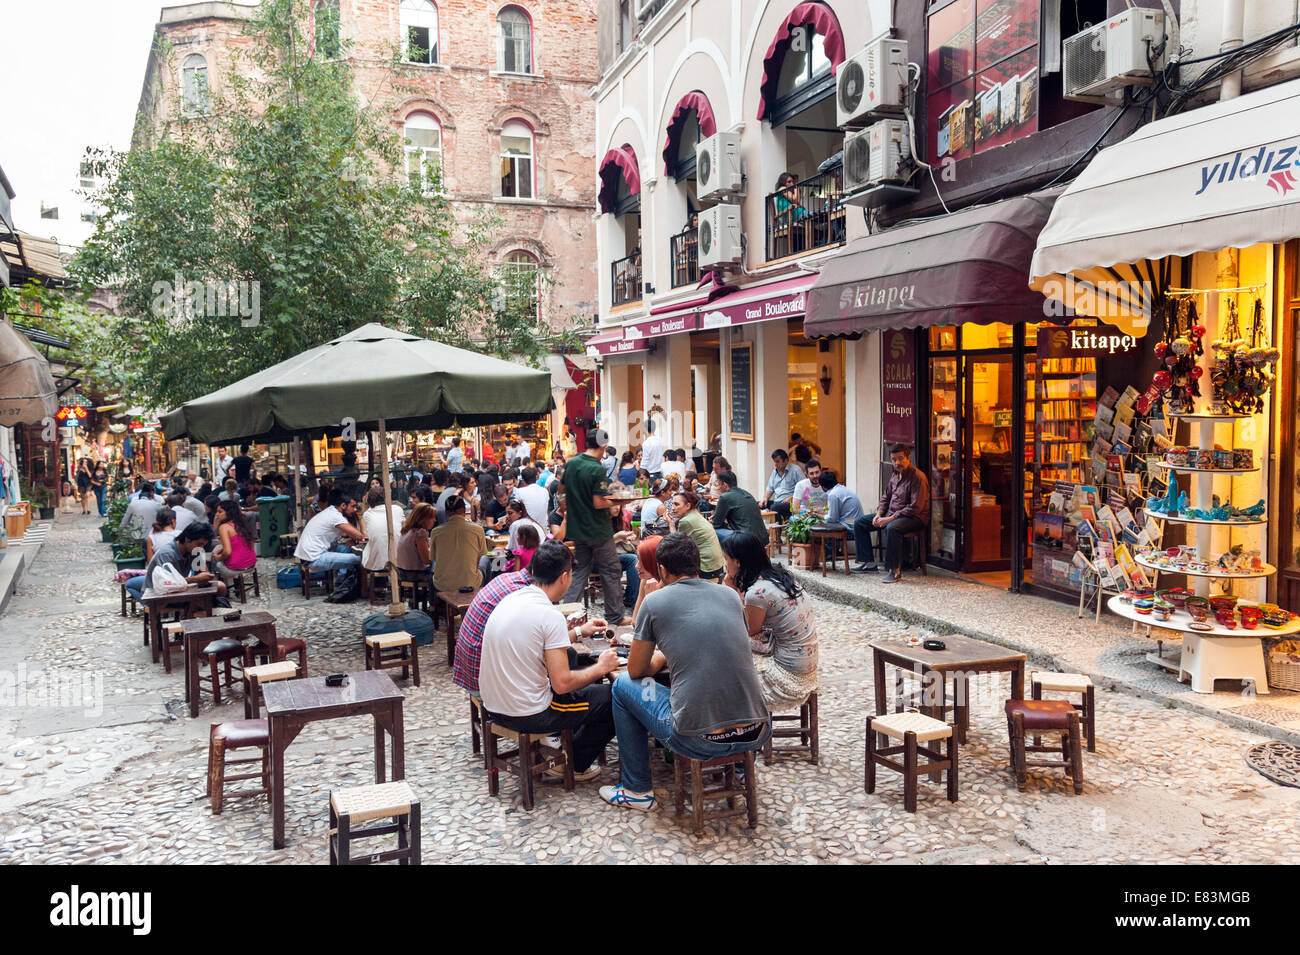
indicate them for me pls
(129, 596)
(287, 544)
(913, 729)
(255, 676)
(395, 801)
(805, 732)
(376, 586)
(401, 649)
(1079, 683)
(223, 651)
(526, 760)
(711, 780)
(237, 734)
(287, 645)
(419, 591)
(476, 724)
(1041, 717)
(774, 529)
(172, 639)
(326, 578)
(240, 586)
(837, 539)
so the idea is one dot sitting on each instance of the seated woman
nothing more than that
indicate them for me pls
(647, 571)
(627, 469)
(654, 513)
(684, 516)
(782, 633)
(163, 533)
(413, 546)
(234, 553)
(527, 542)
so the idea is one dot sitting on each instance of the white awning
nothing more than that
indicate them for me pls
(1220, 176)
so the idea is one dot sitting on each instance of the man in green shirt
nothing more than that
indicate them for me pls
(737, 511)
(588, 525)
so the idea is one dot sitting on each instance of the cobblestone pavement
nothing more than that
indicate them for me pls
(122, 779)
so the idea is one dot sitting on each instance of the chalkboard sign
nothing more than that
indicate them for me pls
(742, 391)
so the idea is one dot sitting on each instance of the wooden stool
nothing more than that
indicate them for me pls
(476, 724)
(237, 734)
(375, 586)
(222, 651)
(922, 537)
(774, 538)
(172, 639)
(1079, 683)
(240, 585)
(255, 676)
(836, 539)
(286, 545)
(129, 596)
(912, 729)
(395, 801)
(287, 645)
(719, 775)
(805, 732)
(325, 576)
(526, 760)
(1041, 717)
(404, 653)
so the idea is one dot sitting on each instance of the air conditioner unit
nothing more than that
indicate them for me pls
(872, 83)
(877, 154)
(717, 166)
(718, 235)
(1102, 60)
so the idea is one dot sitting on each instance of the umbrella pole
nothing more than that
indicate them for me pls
(396, 608)
(295, 454)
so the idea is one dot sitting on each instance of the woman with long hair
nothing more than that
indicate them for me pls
(84, 479)
(163, 533)
(684, 516)
(412, 556)
(779, 617)
(627, 469)
(234, 554)
(654, 513)
(647, 570)
(99, 485)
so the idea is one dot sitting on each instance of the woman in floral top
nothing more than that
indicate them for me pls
(779, 616)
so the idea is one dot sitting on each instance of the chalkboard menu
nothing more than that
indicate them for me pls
(742, 391)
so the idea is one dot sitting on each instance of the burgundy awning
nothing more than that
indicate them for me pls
(618, 163)
(612, 342)
(784, 298)
(823, 20)
(971, 266)
(694, 100)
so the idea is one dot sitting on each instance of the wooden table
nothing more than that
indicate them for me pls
(456, 603)
(963, 657)
(194, 598)
(198, 632)
(292, 704)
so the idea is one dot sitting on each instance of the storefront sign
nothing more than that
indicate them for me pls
(141, 426)
(72, 415)
(684, 322)
(742, 391)
(615, 346)
(1087, 341)
(898, 387)
(785, 305)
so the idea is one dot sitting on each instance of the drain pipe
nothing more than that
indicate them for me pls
(1234, 17)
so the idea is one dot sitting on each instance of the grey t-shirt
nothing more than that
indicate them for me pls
(700, 627)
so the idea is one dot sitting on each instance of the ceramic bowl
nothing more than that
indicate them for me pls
(1223, 602)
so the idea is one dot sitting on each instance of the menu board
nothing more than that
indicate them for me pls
(742, 391)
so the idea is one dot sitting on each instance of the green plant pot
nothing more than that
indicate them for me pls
(129, 563)
(106, 534)
(47, 513)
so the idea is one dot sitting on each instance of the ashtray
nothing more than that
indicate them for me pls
(935, 645)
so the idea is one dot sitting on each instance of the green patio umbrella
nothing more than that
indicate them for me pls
(375, 378)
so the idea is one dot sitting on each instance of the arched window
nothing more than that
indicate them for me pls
(520, 275)
(420, 31)
(805, 61)
(515, 46)
(194, 85)
(516, 160)
(329, 37)
(423, 138)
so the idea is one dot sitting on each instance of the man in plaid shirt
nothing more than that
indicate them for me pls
(469, 639)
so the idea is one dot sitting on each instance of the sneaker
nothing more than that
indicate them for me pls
(865, 568)
(618, 796)
(556, 773)
(552, 742)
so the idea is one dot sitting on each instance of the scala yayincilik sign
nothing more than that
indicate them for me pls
(898, 387)
(1089, 341)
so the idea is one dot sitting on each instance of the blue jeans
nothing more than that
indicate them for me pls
(641, 707)
(135, 585)
(723, 533)
(341, 559)
(99, 499)
(633, 586)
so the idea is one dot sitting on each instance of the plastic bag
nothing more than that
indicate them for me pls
(167, 579)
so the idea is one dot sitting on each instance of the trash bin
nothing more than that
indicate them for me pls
(273, 519)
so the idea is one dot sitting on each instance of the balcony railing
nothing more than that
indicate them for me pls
(805, 216)
(625, 279)
(686, 258)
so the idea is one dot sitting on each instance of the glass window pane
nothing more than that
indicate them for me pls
(524, 174)
(943, 338)
(1006, 101)
(516, 145)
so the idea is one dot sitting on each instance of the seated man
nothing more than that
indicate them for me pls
(904, 507)
(737, 510)
(781, 484)
(715, 706)
(808, 494)
(455, 548)
(469, 637)
(186, 554)
(323, 543)
(842, 507)
(524, 673)
(139, 516)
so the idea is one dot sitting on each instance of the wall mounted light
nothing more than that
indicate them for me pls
(825, 379)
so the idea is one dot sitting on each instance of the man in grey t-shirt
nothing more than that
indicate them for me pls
(715, 708)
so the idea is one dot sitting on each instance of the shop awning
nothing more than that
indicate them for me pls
(618, 164)
(966, 267)
(27, 392)
(823, 21)
(694, 100)
(785, 298)
(612, 342)
(1223, 175)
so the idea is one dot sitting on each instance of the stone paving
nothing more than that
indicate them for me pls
(121, 779)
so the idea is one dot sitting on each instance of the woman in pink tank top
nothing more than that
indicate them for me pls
(235, 553)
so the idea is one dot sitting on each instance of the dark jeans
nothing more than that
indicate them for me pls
(628, 561)
(781, 509)
(99, 499)
(891, 536)
(603, 557)
(588, 712)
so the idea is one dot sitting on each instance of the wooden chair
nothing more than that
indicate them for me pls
(476, 724)
(912, 729)
(239, 585)
(805, 732)
(237, 734)
(129, 596)
(218, 653)
(714, 780)
(417, 594)
(921, 537)
(326, 577)
(835, 539)
(1070, 683)
(255, 676)
(1041, 717)
(527, 760)
(286, 545)
(386, 651)
(395, 801)
(284, 646)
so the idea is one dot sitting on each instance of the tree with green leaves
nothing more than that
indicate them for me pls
(248, 226)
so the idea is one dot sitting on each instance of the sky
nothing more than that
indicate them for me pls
(74, 69)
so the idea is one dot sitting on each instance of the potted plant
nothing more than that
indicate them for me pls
(798, 532)
(43, 498)
(128, 553)
(113, 518)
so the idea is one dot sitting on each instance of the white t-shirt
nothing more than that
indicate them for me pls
(320, 534)
(523, 451)
(652, 454)
(650, 511)
(375, 527)
(161, 539)
(223, 468)
(512, 674)
(513, 540)
(535, 501)
(195, 507)
(184, 518)
(675, 467)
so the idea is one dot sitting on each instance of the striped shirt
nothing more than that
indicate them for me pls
(469, 638)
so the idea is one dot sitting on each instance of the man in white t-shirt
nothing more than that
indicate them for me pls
(673, 465)
(533, 496)
(323, 543)
(807, 494)
(224, 465)
(525, 675)
(652, 451)
(455, 457)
